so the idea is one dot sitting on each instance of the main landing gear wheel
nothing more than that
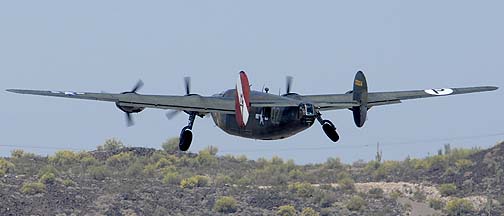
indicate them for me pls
(329, 129)
(185, 138)
(186, 135)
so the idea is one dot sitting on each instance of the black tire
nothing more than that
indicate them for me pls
(330, 130)
(185, 139)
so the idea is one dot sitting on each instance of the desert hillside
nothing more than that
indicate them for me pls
(119, 180)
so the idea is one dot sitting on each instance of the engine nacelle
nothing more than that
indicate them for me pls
(130, 109)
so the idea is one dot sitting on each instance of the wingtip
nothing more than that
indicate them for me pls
(11, 90)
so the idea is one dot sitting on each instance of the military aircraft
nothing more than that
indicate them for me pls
(259, 114)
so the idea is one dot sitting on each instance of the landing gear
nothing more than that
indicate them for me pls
(329, 129)
(186, 135)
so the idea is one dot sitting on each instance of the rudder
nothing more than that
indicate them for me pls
(360, 94)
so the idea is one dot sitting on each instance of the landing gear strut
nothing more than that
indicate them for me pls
(329, 128)
(186, 135)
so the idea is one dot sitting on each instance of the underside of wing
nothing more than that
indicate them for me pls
(383, 98)
(342, 101)
(196, 103)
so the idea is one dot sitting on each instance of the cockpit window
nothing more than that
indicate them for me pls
(309, 109)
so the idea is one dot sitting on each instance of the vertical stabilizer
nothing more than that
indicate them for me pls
(360, 94)
(242, 100)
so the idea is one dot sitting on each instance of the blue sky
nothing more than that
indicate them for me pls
(109, 45)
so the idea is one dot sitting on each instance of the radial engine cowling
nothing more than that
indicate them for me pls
(130, 109)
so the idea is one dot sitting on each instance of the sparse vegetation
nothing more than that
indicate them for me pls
(286, 210)
(309, 212)
(447, 189)
(302, 189)
(225, 205)
(356, 203)
(48, 178)
(376, 192)
(195, 181)
(171, 178)
(171, 145)
(459, 207)
(5, 166)
(126, 176)
(111, 145)
(436, 204)
(99, 172)
(32, 188)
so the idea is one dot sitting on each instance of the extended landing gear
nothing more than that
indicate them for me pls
(186, 135)
(329, 129)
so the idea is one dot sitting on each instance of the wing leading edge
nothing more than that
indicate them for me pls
(386, 98)
(194, 103)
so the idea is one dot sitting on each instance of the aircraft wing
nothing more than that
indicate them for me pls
(194, 103)
(334, 101)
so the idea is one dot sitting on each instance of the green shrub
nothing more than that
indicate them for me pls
(135, 169)
(447, 189)
(419, 196)
(346, 184)
(436, 204)
(225, 205)
(296, 174)
(64, 158)
(5, 166)
(111, 145)
(88, 161)
(244, 181)
(376, 192)
(68, 183)
(286, 210)
(356, 203)
(212, 150)
(205, 158)
(302, 189)
(17, 153)
(195, 181)
(395, 194)
(333, 163)
(120, 160)
(149, 170)
(463, 164)
(47, 178)
(32, 188)
(309, 212)
(171, 145)
(459, 207)
(48, 169)
(241, 158)
(323, 198)
(171, 178)
(99, 172)
(222, 180)
(163, 162)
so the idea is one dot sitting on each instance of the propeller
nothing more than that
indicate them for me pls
(137, 86)
(288, 83)
(187, 86)
(129, 118)
(171, 114)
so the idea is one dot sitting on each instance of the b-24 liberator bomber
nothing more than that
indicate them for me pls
(259, 114)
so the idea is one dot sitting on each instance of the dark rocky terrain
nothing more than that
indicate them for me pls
(118, 180)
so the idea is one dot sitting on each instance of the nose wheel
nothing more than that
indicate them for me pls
(186, 135)
(329, 129)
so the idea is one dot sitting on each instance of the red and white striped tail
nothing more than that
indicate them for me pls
(242, 100)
